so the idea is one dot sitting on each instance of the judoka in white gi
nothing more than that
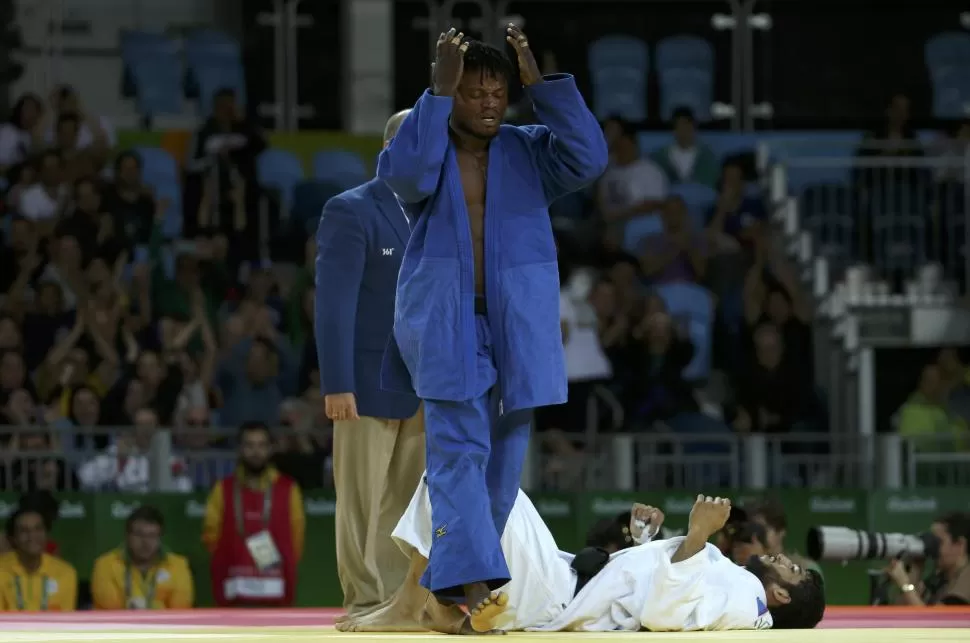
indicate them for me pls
(680, 584)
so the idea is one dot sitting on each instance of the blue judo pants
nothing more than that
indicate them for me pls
(474, 468)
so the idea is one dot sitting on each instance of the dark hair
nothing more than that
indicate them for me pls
(10, 528)
(957, 526)
(683, 112)
(771, 511)
(145, 513)
(253, 427)
(627, 129)
(807, 605)
(613, 531)
(17, 113)
(124, 156)
(44, 503)
(485, 58)
(224, 92)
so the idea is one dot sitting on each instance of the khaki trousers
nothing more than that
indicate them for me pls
(377, 465)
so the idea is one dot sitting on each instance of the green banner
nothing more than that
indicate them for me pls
(90, 525)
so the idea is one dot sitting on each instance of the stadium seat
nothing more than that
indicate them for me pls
(157, 164)
(340, 167)
(619, 67)
(685, 71)
(172, 191)
(946, 55)
(309, 197)
(698, 198)
(139, 48)
(208, 49)
(216, 76)
(693, 304)
(638, 229)
(281, 170)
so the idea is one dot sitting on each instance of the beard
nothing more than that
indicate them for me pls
(761, 571)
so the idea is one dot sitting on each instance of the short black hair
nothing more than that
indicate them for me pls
(44, 503)
(807, 606)
(613, 531)
(771, 511)
(254, 427)
(683, 112)
(482, 57)
(124, 156)
(145, 513)
(627, 128)
(957, 526)
(10, 528)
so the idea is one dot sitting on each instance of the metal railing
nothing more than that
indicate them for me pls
(895, 214)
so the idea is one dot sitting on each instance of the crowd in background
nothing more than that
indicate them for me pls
(109, 329)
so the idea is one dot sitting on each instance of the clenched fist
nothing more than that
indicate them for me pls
(645, 522)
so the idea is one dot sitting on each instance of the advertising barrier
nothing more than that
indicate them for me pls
(90, 525)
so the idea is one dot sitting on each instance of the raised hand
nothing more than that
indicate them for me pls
(449, 63)
(529, 72)
(708, 516)
(645, 521)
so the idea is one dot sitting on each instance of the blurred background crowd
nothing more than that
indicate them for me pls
(769, 278)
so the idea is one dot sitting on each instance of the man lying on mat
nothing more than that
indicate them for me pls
(678, 584)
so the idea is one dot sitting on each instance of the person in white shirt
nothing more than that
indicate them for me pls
(687, 160)
(93, 131)
(631, 186)
(680, 584)
(19, 136)
(44, 201)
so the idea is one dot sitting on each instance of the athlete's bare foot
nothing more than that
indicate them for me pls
(389, 617)
(482, 615)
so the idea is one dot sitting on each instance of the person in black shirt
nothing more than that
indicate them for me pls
(771, 393)
(130, 202)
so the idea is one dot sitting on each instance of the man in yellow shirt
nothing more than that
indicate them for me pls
(31, 580)
(141, 574)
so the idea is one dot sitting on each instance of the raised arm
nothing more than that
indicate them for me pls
(569, 147)
(412, 161)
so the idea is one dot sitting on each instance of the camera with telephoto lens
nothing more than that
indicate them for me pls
(843, 543)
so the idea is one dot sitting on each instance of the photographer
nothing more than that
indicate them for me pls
(950, 584)
(757, 530)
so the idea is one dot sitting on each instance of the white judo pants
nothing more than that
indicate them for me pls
(542, 582)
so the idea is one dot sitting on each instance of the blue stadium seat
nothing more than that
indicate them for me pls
(815, 156)
(685, 70)
(340, 167)
(309, 197)
(619, 67)
(281, 170)
(138, 47)
(157, 84)
(947, 55)
(638, 229)
(157, 164)
(218, 76)
(695, 305)
(951, 99)
(208, 49)
(698, 198)
(172, 191)
(727, 144)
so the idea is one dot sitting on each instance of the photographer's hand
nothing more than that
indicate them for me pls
(909, 594)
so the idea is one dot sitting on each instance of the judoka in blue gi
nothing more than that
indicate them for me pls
(476, 327)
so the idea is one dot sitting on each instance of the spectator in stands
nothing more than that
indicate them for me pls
(131, 203)
(94, 133)
(304, 454)
(956, 379)
(771, 392)
(735, 215)
(225, 150)
(78, 163)
(926, 418)
(32, 580)
(663, 353)
(629, 294)
(632, 186)
(679, 253)
(22, 136)
(687, 160)
(46, 200)
(299, 307)
(257, 373)
(125, 465)
(141, 574)
(950, 584)
(770, 514)
(778, 298)
(254, 528)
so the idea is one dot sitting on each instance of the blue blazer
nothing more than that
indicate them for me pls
(434, 352)
(360, 244)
